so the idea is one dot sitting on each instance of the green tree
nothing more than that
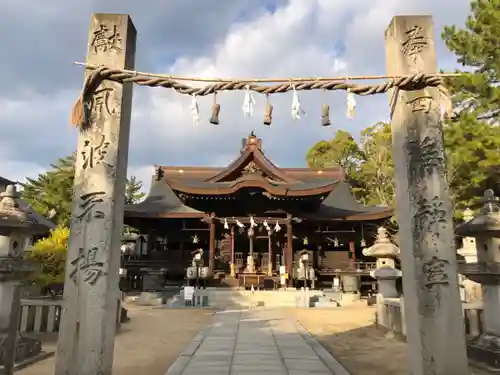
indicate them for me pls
(476, 47)
(133, 193)
(51, 193)
(473, 139)
(376, 172)
(341, 150)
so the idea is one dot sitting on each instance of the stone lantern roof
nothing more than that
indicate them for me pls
(15, 213)
(11, 215)
(383, 247)
(488, 221)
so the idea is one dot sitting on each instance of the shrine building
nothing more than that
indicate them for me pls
(252, 217)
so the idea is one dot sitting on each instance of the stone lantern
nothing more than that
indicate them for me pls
(16, 226)
(469, 290)
(385, 273)
(486, 271)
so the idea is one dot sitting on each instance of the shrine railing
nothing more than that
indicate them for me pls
(41, 315)
(390, 316)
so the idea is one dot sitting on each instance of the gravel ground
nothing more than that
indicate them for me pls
(350, 336)
(148, 344)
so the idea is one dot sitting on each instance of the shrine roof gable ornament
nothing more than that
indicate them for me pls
(252, 161)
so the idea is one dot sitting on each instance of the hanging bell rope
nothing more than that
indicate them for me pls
(214, 119)
(268, 114)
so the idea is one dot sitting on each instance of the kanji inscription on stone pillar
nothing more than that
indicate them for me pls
(91, 293)
(435, 330)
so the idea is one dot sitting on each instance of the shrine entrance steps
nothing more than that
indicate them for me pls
(228, 298)
(254, 343)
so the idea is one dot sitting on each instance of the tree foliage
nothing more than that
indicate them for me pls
(50, 254)
(133, 193)
(472, 139)
(476, 48)
(51, 193)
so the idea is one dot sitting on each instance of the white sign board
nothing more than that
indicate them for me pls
(188, 293)
(282, 270)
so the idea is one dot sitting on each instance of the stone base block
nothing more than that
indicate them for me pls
(31, 361)
(485, 350)
(151, 299)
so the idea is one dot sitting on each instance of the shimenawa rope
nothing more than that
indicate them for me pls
(81, 111)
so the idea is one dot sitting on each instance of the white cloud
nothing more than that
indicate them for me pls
(298, 38)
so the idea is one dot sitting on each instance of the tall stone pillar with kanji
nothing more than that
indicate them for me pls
(435, 328)
(91, 292)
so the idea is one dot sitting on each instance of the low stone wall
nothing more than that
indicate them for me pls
(390, 316)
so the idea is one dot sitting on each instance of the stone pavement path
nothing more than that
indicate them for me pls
(255, 342)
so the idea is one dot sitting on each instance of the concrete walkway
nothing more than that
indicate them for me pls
(255, 342)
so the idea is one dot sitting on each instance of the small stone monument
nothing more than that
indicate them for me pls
(486, 271)
(16, 226)
(385, 273)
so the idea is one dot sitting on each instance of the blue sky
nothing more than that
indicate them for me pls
(229, 38)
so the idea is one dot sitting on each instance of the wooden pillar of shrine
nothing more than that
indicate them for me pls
(289, 246)
(232, 265)
(211, 246)
(270, 254)
(352, 251)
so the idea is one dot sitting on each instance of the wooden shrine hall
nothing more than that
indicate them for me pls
(251, 217)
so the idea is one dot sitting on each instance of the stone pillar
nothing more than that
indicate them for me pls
(468, 251)
(86, 341)
(436, 337)
(486, 271)
(211, 247)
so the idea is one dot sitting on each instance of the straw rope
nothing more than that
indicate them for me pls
(80, 115)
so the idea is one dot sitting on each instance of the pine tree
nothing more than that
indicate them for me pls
(133, 193)
(51, 193)
(473, 139)
(476, 48)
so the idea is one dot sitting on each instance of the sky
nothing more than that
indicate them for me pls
(210, 38)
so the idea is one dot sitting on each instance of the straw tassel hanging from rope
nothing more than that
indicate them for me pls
(325, 115)
(268, 114)
(214, 119)
(80, 116)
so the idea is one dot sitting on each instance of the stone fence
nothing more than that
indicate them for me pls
(42, 315)
(390, 316)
